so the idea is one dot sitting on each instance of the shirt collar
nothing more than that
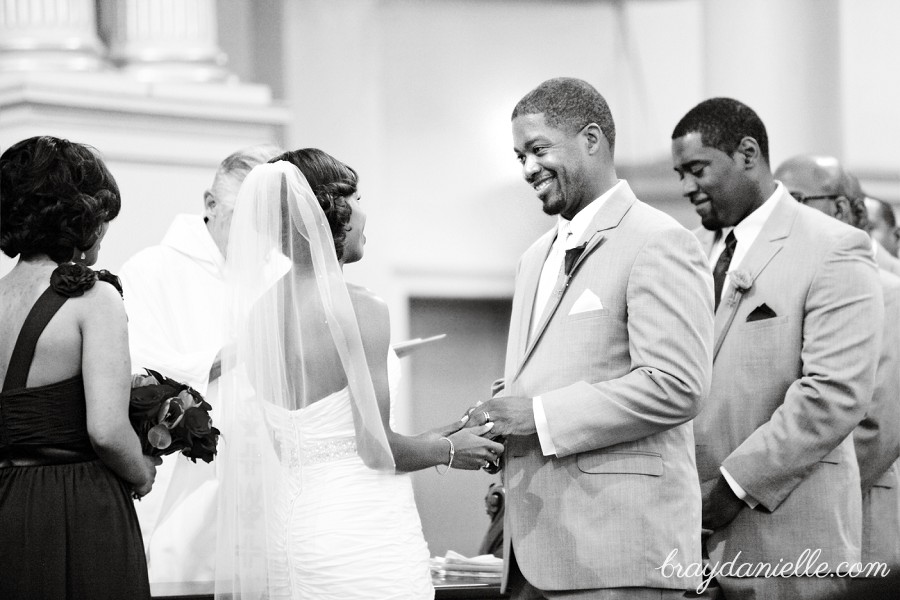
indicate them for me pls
(580, 222)
(748, 229)
(188, 234)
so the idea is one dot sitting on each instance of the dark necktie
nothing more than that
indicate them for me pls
(722, 265)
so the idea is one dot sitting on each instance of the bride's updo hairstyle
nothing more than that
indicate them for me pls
(331, 181)
(54, 197)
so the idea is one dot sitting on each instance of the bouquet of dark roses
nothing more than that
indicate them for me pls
(170, 417)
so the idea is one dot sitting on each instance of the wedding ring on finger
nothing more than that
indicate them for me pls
(486, 464)
(487, 417)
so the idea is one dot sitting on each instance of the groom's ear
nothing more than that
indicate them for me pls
(594, 138)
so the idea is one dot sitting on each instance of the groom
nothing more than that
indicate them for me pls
(609, 355)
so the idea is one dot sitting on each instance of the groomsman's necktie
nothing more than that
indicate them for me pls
(722, 265)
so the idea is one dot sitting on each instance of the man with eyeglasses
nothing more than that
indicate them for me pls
(877, 439)
(797, 335)
(885, 234)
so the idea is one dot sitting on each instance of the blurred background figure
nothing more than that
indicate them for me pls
(495, 506)
(883, 224)
(174, 299)
(878, 221)
(821, 182)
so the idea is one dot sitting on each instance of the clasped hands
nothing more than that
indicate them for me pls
(510, 415)
(503, 416)
(477, 436)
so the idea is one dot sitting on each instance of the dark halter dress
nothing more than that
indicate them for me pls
(68, 528)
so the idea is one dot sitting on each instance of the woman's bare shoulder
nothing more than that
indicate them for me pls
(367, 302)
(372, 315)
(100, 303)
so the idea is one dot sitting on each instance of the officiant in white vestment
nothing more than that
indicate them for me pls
(173, 296)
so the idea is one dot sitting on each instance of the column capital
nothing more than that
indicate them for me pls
(162, 40)
(49, 35)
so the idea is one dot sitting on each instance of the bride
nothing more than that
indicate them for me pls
(314, 502)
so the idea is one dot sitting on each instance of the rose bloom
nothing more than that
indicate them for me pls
(197, 421)
(138, 380)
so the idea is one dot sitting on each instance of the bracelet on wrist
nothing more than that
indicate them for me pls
(449, 462)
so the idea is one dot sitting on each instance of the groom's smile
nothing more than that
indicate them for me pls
(542, 185)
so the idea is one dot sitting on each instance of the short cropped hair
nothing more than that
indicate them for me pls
(54, 197)
(331, 181)
(722, 123)
(235, 167)
(569, 104)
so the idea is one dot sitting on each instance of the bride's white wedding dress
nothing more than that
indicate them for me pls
(344, 531)
(300, 514)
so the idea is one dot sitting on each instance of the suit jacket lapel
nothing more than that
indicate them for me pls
(768, 243)
(559, 290)
(609, 216)
(707, 239)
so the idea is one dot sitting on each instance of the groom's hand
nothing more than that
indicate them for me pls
(720, 504)
(511, 415)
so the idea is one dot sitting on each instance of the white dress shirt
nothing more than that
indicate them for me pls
(569, 235)
(745, 233)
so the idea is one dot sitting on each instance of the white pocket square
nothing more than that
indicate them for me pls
(587, 302)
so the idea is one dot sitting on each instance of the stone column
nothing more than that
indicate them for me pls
(49, 35)
(164, 40)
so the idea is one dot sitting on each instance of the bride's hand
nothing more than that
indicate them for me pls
(471, 450)
(452, 428)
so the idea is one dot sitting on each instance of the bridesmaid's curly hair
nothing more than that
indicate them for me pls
(331, 181)
(54, 197)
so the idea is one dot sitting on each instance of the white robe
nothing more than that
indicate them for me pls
(173, 296)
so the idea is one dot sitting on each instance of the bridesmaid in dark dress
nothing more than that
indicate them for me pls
(69, 459)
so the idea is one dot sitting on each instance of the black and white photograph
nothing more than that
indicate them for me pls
(449, 299)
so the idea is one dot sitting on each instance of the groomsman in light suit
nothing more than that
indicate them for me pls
(821, 183)
(609, 357)
(797, 336)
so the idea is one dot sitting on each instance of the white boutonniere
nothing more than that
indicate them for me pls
(742, 282)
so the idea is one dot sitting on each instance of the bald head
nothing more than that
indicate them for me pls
(852, 186)
(812, 175)
(821, 182)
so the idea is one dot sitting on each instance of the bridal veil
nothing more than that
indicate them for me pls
(293, 339)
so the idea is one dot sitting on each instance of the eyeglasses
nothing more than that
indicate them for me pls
(804, 199)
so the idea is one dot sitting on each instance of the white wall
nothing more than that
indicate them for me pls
(870, 92)
(417, 97)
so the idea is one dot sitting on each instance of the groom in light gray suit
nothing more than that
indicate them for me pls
(797, 339)
(608, 360)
